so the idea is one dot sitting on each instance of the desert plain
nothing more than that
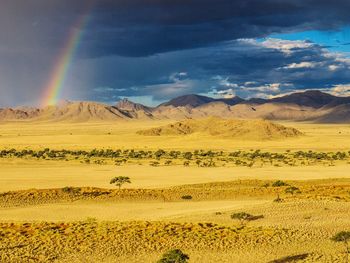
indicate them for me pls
(57, 203)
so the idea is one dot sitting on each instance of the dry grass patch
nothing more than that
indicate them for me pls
(43, 242)
(125, 242)
(338, 190)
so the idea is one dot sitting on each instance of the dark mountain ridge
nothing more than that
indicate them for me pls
(309, 98)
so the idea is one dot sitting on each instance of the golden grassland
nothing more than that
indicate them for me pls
(17, 174)
(66, 211)
(20, 135)
(113, 240)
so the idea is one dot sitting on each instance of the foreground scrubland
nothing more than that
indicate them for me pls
(285, 224)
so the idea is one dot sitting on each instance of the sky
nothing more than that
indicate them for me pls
(153, 50)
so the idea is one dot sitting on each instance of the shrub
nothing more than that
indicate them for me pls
(174, 256)
(168, 162)
(343, 236)
(186, 197)
(279, 183)
(188, 155)
(292, 190)
(154, 163)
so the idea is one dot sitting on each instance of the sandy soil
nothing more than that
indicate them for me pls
(17, 175)
(125, 211)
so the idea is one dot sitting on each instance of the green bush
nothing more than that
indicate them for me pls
(174, 256)
(292, 190)
(344, 237)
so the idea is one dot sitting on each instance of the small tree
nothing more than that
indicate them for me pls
(278, 199)
(291, 190)
(244, 217)
(343, 236)
(186, 197)
(120, 180)
(174, 256)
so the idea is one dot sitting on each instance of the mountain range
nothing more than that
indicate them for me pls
(312, 105)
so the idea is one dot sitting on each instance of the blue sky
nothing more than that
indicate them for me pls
(336, 40)
(152, 51)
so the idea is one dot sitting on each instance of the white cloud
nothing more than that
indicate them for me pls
(340, 90)
(333, 67)
(178, 76)
(286, 46)
(301, 65)
(108, 89)
(227, 94)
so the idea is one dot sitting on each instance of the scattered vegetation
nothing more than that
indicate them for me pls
(199, 158)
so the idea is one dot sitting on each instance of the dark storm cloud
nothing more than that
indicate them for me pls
(243, 67)
(140, 28)
(145, 27)
(141, 47)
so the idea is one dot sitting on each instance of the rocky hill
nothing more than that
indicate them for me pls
(241, 129)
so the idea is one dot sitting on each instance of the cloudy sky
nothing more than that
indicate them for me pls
(153, 50)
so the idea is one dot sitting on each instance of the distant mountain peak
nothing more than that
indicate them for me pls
(311, 98)
(192, 100)
(128, 105)
(231, 101)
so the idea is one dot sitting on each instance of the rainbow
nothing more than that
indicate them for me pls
(58, 75)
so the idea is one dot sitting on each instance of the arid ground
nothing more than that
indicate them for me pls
(57, 205)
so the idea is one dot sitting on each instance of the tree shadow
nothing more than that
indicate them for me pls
(290, 258)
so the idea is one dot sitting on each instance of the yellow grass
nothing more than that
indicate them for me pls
(124, 211)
